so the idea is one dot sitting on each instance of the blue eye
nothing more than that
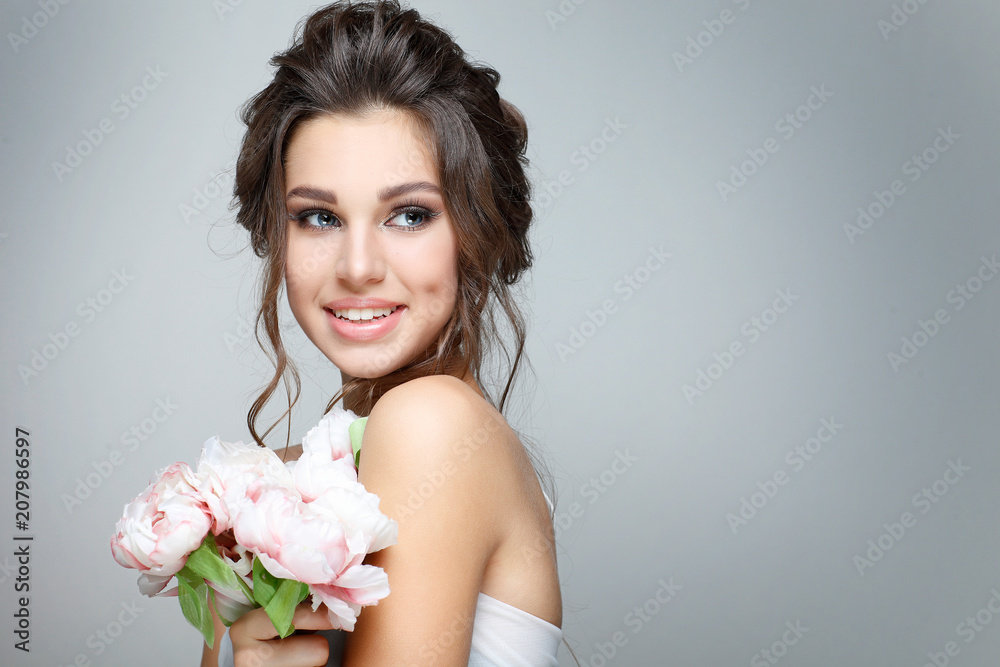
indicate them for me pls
(411, 219)
(316, 219)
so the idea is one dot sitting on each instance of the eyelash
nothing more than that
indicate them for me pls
(406, 207)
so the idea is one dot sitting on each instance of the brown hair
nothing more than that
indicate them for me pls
(358, 58)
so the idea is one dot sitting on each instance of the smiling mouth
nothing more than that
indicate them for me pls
(363, 314)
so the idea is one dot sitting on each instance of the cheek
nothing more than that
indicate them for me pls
(302, 272)
(446, 295)
(436, 275)
(307, 262)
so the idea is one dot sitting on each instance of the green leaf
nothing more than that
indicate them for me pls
(356, 430)
(192, 579)
(281, 608)
(194, 604)
(264, 583)
(206, 562)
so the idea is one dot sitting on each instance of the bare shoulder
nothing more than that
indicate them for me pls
(456, 478)
(437, 436)
(430, 452)
(427, 397)
(446, 416)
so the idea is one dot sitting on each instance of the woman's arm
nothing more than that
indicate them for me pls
(427, 455)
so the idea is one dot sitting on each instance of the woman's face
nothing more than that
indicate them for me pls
(372, 255)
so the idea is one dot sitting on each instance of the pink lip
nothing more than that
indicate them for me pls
(364, 331)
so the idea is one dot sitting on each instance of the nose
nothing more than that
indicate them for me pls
(361, 258)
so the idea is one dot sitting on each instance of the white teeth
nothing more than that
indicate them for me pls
(363, 314)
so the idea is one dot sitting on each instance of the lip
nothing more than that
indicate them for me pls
(364, 331)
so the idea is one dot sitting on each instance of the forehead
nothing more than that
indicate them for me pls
(378, 149)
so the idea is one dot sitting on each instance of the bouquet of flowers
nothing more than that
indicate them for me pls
(246, 530)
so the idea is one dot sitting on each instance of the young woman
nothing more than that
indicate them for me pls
(382, 179)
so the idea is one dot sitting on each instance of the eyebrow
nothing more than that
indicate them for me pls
(385, 194)
(309, 192)
(406, 188)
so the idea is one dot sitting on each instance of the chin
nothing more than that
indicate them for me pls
(375, 365)
(371, 364)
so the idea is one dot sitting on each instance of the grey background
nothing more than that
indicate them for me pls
(176, 332)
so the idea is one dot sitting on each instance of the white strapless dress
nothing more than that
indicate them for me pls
(502, 636)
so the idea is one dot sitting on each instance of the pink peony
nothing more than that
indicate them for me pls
(152, 585)
(163, 524)
(356, 509)
(362, 585)
(313, 475)
(329, 439)
(309, 521)
(227, 469)
(320, 545)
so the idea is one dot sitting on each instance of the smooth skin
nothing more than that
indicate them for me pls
(444, 462)
(359, 234)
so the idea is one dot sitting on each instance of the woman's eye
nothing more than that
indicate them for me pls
(411, 219)
(317, 219)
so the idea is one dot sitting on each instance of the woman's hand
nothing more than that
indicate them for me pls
(256, 642)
